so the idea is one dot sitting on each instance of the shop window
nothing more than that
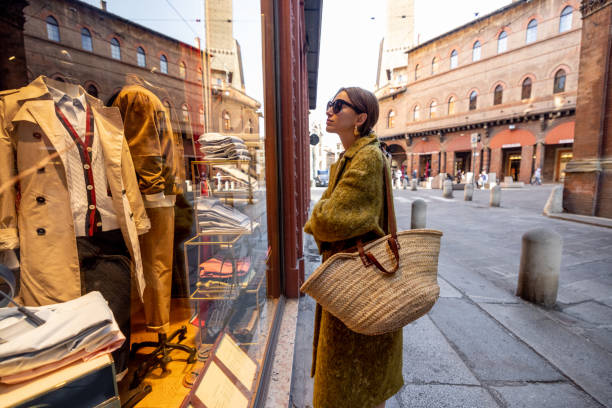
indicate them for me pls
(433, 110)
(476, 51)
(163, 64)
(434, 65)
(86, 42)
(185, 113)
(451, 105)
(182, 70)
(391, 119)
(416, 113)
(559, 84)
(473, 100)
(115, 49)
(498, 95)
(526, 89)
(416, 72)
(227, 122)
(565, 22)
(502, 42)
(53, 29)
(92, 90)
(454, 57)
(532, 31)
(141, 57)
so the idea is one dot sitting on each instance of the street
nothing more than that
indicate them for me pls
(481, 346)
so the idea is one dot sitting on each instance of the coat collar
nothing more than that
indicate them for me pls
(360, 144)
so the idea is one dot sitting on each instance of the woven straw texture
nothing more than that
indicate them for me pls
(371, 302)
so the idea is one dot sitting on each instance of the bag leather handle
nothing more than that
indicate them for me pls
(368, 258)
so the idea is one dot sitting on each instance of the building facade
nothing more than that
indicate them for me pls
(496, 95)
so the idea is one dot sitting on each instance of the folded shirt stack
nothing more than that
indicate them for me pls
(240, 179)
(218, 146)
(216, 268)
(215, 217)
(80, 329)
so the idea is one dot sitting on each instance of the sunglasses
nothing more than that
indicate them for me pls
(337, 106)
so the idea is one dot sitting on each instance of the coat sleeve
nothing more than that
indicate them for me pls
(142, 133)
(8, 192)
(143, 224)
(353, 208)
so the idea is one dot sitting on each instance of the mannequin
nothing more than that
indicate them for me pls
(79, 210)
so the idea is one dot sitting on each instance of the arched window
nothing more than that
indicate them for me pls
(185, 113)
(86, 43)
(163, 64)
(227, 122)
(202, 117)
(473, 100)
(249, 126)
(52, 29)
(182, 70)
(115, 49)
(526, 89)
(451, 105)
(434, 65)
(92, 90)
(141, 57)
(416, 113)
(559, 85)
(502, 42)
(454, 59)
(532, 31)
(476, 51)
(565, 22)
(416, 72)
(498, 95)
(167, 105)
(391, 119)
(433, 110)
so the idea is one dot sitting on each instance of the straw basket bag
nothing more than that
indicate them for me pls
(386, 284)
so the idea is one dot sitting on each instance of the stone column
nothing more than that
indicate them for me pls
(496, 163)
(435, 164)
(485, 159)
(450, 163)
(526, 164)
(588, 179)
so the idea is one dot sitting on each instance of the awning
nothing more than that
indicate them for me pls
(429, 146)
(564, 133)
(512, 138)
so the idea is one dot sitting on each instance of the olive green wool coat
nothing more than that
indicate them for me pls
(352, 369)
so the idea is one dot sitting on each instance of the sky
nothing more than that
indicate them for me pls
(351, 32)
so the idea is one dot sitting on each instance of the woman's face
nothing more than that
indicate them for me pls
(343, 121)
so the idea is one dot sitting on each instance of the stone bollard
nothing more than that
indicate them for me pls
(413, 185)
(468, 192)
(495, 196)
(538, 280)
(419, 214)
(405, 184)
(447, 189)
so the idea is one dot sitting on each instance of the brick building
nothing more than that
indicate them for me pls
(74, 41)
(506, 81)
(588, 185)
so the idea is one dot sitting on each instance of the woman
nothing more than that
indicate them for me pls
(351, 369)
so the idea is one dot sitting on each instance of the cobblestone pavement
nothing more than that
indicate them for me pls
(481, 346)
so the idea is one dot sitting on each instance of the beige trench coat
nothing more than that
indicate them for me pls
(35, 213)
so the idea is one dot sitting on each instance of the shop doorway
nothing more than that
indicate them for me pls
(463, 162)
(563, 157)
(425, 166)
(512, 164)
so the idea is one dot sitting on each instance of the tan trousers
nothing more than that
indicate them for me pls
(156, 247)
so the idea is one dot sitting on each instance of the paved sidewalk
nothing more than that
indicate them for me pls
(481, 346)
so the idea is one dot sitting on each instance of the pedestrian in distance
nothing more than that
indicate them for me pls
(351, 369)
(537, 177)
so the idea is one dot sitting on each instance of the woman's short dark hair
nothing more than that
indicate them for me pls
(365, 102)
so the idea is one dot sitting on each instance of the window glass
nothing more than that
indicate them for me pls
(502, 42)
(92, 90)
(498, 95)
(526, 89)
(416, 72)
(391, 119)
(163, 64)
(473, 100)
(86, 43)
(182, 70)
(415, 113)
(227, 121)
(565, 22)
(115, 49)
(532, 31)
(476, 51)
(141, 57)
(434, 65)
(454, 59)
(451, 105)
(433, 109)
(53, 29)
(559, 84)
